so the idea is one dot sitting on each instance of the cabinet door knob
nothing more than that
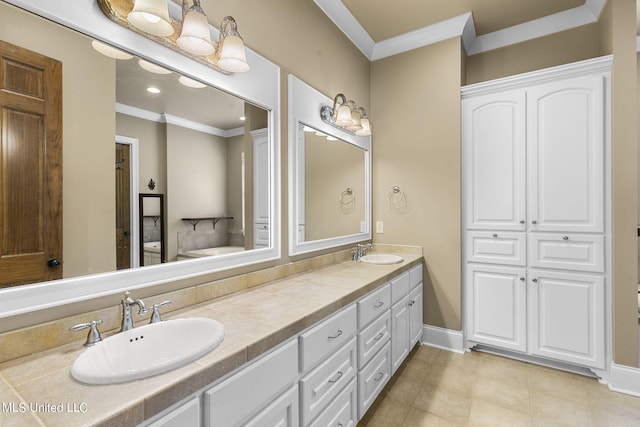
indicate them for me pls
(565, 237)
(522, 278)
(534, 280)
(534, 222)
(522, 221)
(495, 234)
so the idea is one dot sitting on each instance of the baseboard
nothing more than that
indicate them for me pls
(446, 339)
(624, 379)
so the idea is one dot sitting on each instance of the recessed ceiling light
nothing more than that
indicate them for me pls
(191, 83)
(152, 68)
(153, 89)
(243, 118)
(110, 51)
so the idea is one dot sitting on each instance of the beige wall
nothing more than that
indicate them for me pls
(618, 31)
(416, 145)
(88, 139)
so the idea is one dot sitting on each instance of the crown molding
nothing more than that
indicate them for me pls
(459, 26)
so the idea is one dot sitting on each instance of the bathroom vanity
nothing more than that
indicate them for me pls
(308, 349)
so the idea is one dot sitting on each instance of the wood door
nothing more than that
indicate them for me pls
(497, 306)
(123, 207)
(566, 155)
(30, 167)
(494, 131)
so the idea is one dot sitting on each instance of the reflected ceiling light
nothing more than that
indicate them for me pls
(331, 138)
(195, 36)
(308, 129)
(191, 83)
(152, 68)
(320, 133)
(153, 89)
(243, 118)
(347, 116)
(151, 17)
(109, 51)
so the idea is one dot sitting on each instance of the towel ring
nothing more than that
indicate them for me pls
(347, 197)
(396, 195)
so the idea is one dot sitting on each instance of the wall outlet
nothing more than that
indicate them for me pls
(379, 227)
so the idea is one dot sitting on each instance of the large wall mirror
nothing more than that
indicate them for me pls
(329, 177)
(190, 168)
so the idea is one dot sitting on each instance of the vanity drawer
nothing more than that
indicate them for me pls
(325, 382)
(415, 276)
(567, 251)
(373, 305)
(373, 338)
(373, 378)
(497, 247)
(400, 287)
(244, 393)
(343, 411)
(326, 337)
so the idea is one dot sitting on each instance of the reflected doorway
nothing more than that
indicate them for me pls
(126, 207)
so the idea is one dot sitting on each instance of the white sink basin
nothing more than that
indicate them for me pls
(382, 259)
(147, 350)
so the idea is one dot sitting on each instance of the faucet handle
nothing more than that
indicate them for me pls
(155, 312)
(94, 334)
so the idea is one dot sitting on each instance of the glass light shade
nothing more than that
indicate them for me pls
(109, 51)
(366, 127)
(355, 121)
(195, 36)
(152, 68)
(152, 17)
(231, 56)
(343, 117)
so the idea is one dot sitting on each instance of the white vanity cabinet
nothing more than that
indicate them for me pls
(534, 149)
(187, 414)
(406, 315)
(257, 392)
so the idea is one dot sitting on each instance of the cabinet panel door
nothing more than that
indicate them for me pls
(415, 318)
(566, 155)
(578, 252)
(373, 378)
(496, 306)
(567, 317)
(494, 150)
(497, 247)
(187, 414)
(400, 318)
(282, 412)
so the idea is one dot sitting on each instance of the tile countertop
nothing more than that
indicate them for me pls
(39, 390)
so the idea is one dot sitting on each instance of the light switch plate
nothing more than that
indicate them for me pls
(379, 227)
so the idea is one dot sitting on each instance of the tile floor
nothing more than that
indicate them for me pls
(439, 388)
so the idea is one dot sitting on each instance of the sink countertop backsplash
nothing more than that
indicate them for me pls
(258, 310)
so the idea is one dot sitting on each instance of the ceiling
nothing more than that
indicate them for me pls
(381, 28)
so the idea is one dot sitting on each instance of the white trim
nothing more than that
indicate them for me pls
(561, 21)
(624, 379)
(134, 185)
(446, 339)
(637, 43)
(177, 121)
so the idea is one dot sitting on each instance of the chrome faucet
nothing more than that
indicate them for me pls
(127, 302)
(360, 251)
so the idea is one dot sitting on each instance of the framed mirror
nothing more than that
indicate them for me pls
(329, 177)
(184, 150)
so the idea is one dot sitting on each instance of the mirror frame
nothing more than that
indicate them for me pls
(304, 107)
(259, 86)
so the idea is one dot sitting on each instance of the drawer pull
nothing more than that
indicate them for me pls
(378, 304)
(565, 237)
(534, 280)
(340, 425)
(338, 376)
(379, 336)
(522, 278)
(333, 337)
(379, 377)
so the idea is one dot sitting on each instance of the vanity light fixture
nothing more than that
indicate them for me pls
(190, 35)
(195, 36)
(151, 17)
(346, 115)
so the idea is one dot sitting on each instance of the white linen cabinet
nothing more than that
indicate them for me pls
(536, 212)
